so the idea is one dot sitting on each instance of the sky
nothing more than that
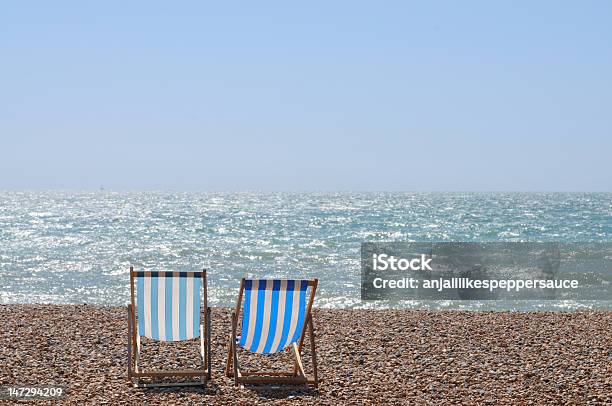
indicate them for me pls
(315, 96)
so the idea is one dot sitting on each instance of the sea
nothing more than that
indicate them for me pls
(67, 247)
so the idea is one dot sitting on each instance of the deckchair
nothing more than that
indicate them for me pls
(276, 315)
(168, 306)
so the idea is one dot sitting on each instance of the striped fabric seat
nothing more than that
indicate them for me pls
(168, 305)
(274, 314)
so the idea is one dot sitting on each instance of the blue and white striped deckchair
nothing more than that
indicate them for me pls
(275, 315)
(167, 307)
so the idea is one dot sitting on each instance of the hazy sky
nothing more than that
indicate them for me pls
(429, 95)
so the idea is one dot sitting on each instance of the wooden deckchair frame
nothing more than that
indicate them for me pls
(134, 370)
(298, 376)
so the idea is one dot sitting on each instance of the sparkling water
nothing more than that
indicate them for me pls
(77, 247)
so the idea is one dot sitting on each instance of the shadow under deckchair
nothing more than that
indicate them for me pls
(168, 305)
(276, 316)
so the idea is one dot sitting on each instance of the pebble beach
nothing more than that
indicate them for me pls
(364, 356)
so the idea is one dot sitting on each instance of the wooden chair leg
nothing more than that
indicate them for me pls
(298, 361)
(137, 355)
(208, 341)
(203, 353)
(313, 352)
(129, 344)
(228, 365)
(233, 347)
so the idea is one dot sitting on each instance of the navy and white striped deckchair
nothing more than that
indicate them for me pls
(168, 307)
(275, 316)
